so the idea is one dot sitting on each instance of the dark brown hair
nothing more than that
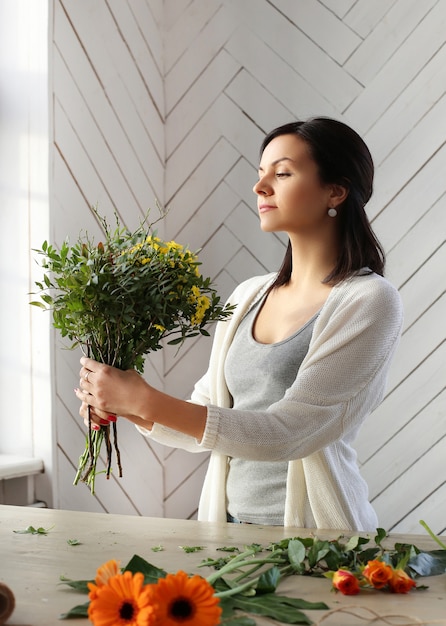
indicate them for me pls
(342, 158)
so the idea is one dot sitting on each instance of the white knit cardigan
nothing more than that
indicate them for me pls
(340, 382)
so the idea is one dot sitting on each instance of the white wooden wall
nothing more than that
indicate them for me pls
(170, 100)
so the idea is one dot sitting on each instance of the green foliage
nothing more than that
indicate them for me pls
(118, 299)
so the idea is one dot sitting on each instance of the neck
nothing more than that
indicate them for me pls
(312, 260)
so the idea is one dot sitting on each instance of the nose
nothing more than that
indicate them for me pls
(261, 187)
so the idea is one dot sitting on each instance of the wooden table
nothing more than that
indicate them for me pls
(30, 565)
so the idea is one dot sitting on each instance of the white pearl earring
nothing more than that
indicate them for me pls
(332, 212)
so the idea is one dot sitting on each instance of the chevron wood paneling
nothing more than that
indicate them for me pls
(170, 100)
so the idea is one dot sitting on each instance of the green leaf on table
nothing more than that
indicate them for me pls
(268, 581)
(230, 618)
(157, 548)
(296, 554)
(78, 585)
(151, 573)
(430, 563)
(279, 608)
(31, 530)
(190, 549)
(81, 610)
(73, 542)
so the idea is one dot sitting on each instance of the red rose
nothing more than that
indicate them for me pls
(345, 582)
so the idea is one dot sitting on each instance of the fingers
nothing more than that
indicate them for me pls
(90, 364)
(98, 418)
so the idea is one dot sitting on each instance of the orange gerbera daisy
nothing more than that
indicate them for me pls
(121, 601)
(189, 601)
(103, 574)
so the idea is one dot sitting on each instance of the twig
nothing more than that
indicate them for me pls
(118, 454)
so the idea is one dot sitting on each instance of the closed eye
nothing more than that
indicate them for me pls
(282, 174)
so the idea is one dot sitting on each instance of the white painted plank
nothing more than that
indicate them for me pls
(430, 509)
(262, 106)
(339, 7)
(419, 435)
(157, 8)
(140, 57)
(409, 157)
(220, 250)
(185, 501)
(202, 93)
(385, 39)
(104, 115)
(201, 183)
(407, 110)
(69, 222)
(399, 71)
(425, 287)
(189, 463)
(296, 94)
(403, 403)
(93, 187)
(405, 493)
(318, 23)
(97, 150)
(244, 265)
(418, 342)
(417, 197)
(419, 246)
(122, 83)
(184, 23)
(210, 216)
(150, 20)
(197, 56)
(323, 84)
(186, 367)
(365, 15)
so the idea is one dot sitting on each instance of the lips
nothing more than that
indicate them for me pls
(264, 208)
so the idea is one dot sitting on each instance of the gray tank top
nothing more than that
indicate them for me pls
(258, 375)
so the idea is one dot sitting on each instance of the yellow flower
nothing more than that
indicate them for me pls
(202, 306)
(195, 292)
(122, 601)
(186, 601)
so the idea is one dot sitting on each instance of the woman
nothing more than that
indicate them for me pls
(302, 361)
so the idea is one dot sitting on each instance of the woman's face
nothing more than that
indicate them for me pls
(290, 195)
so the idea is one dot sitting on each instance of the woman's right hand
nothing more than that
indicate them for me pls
(102, 418)
(98, 418)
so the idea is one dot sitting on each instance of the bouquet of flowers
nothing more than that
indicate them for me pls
(118, 299)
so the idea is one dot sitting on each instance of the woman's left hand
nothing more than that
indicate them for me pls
(109, 390)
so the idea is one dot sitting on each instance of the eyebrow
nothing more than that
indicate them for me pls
(279, 161)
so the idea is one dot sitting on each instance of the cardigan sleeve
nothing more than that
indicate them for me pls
(341, 380)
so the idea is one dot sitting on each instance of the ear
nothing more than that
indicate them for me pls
(338, 194)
